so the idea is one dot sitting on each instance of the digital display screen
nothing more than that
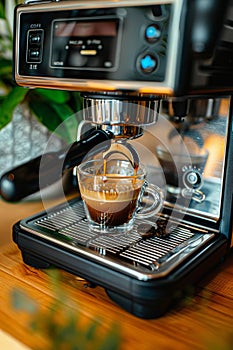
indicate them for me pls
(85, 28)
(84, 43)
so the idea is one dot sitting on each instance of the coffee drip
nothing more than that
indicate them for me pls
(121, 148)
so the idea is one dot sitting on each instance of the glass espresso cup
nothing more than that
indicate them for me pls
(114, 194)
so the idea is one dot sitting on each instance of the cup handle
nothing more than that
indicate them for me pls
(150, 201)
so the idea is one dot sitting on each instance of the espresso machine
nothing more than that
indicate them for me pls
(156, 74)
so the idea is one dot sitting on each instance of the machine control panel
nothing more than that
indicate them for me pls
(149, 47)
(115, 43)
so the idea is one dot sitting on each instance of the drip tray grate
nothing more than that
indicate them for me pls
(142, 249)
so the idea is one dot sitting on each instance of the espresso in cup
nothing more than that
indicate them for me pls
(112, 196)
(113, 203)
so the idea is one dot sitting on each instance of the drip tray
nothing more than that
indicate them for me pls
(153, 249)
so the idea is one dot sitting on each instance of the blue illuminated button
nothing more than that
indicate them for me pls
(148, 63)
(153, 33)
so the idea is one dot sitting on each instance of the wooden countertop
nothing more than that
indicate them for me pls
(204, 321)
(10, 213)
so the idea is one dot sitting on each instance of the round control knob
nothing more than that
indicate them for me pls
(152, 33)
(148, 63)
(192, 179)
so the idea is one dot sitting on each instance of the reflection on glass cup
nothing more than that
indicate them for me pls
(182, 169)
(114, 194)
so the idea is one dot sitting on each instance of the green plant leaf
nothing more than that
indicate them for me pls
(63, 110)
(69, 121)
(112, 339)
(22, 302)
(5, 68)
(7, 106)
(2, 11)
(45, 113)
(57, 118)
(57, 96)
(5, 63)
(76, 101)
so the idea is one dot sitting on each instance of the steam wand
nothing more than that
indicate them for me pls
(44, 170)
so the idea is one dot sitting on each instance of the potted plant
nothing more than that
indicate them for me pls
(29, 116)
